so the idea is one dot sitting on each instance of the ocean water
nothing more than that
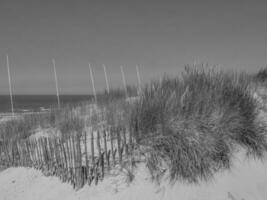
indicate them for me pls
(37, 103)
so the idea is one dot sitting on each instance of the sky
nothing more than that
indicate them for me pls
(160, 36)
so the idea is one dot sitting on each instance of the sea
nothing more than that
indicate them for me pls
(38, 103)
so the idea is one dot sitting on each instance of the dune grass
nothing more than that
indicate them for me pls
(22, 126)
(194, 123)
(261, 75)
(191, 124)
(72, 118)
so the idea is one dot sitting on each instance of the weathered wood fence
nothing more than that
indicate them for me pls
(79, 159)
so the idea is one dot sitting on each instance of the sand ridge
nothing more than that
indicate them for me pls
(247, 180)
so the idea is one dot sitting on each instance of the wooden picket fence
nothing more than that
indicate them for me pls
(79, 159)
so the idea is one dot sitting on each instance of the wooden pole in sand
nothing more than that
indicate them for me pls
(124, 81)
(10, 87)
(106, 77)
(139, 79)
(93, 82)
(56, 81)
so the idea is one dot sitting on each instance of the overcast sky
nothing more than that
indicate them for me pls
(161, 36)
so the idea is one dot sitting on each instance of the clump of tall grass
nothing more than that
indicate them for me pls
(15, 129)
(260, 82)
(261, 75)
(69, 121)
(117, 113)
(23, 126)
(194, 123)
(115, 95)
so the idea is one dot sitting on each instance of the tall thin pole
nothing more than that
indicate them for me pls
(93, 82)
(106, 77)
(56, 81)
(124, 81)
(10, 87)
(139, 79)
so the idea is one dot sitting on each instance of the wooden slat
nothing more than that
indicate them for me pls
(68, 153)
(79, 162)
(125, 145)
(99, 149)
(105, 148)
(112, 146)
(131, 149)
(33, 158)
(38, 153)
(19, 153)
(51, 154)
(86, 156)
(45, 152)
(119, 144)
(92, 148)
(74, 161)
(32, 151)
(64, 157)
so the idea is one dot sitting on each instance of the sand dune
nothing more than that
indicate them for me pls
(247, 180)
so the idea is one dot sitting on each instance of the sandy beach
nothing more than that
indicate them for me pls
(247, 180)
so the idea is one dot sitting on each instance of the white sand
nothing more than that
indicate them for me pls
(247, 180)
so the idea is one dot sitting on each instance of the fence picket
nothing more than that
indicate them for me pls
(86, 156)
(119, 144)
(125, 145)
(105, 148)
(70, 157)
(92, 148)
(99, 151)
(112, 147)
(80, 178)
(74, 162)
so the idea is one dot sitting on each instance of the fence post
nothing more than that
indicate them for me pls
(92, 148)
(112, 148)
(79, 162)
(139, 80)
(119, 144)
(131, 145)
(125, 145)
(124, 82)
(86, 156)
(65, 164)
(99, 150)
(56, 82)
(38, 153)
(68, 160)
(106, 78)
(10, 87)
(105, 146)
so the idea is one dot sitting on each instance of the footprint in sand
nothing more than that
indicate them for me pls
(161, 191)
(262, 189)
(231, 196)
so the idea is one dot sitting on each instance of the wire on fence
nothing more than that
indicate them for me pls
(73, 158)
